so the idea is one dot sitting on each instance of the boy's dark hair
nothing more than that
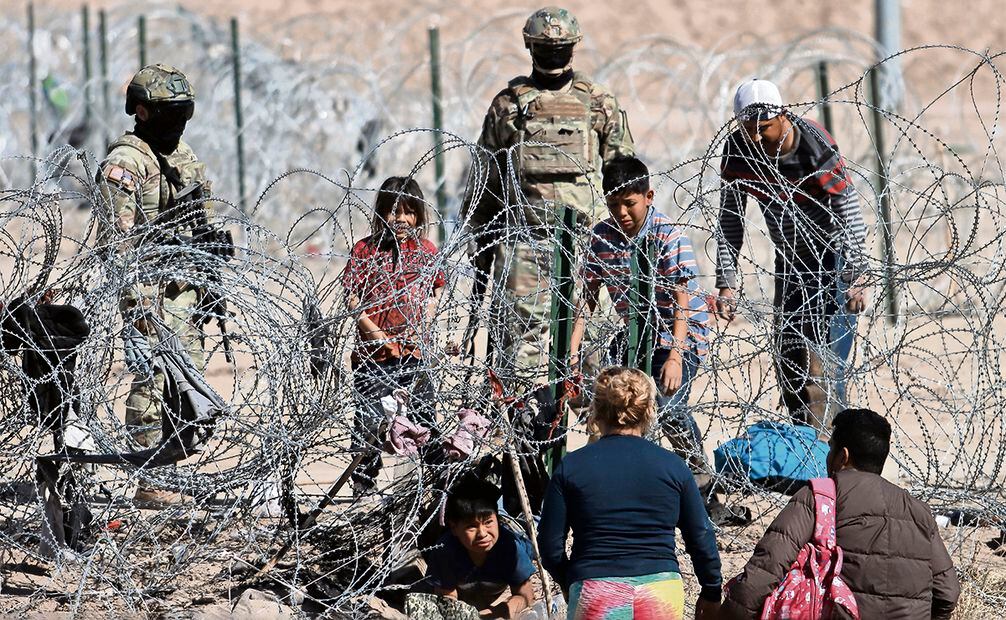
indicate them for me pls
(472, 498)
(625, 175)
(393, 191)
(867, 436)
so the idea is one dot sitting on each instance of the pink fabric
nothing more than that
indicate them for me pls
(472, 429)
(813, 587)
(405, 437)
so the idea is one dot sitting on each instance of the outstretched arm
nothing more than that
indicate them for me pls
(586, 305)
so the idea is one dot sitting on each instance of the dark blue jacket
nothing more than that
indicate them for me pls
(623, 497)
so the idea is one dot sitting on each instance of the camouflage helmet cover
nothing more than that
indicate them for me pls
(158, 84)
(552, 25)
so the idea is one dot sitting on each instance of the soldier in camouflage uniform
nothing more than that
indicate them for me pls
(551, 133)
(139, 180)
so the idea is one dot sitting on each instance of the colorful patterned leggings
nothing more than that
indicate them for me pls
(660, 596)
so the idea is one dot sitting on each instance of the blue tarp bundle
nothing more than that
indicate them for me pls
(775, 455)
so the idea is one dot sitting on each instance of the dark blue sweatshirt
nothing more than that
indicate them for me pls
(623, 496)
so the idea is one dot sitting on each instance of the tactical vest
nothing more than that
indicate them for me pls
(155, 208)
(556, 128)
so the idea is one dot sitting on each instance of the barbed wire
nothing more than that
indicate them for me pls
(288, 428)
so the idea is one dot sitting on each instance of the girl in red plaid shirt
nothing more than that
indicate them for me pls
(392, 280)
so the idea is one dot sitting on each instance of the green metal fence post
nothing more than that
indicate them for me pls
(823, 90)
(238, 117)
(438, 126)
(85, 19)
(642, 321)
(887, 230)
(562, 317)
(141, 37)
(32, 92)
(103, 68)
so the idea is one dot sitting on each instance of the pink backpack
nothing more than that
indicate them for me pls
(813, 586)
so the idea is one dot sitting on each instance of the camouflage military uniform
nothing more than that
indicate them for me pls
(552, 145)
(138, 190)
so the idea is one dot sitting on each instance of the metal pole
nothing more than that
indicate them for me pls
(85, 19)
(823, 90)
(642, 320)
(438, 125)
(561, 327)
(238, 118)
(888, 29)
(103, 65)
(141, 36)
(32, 95)
(887, 230)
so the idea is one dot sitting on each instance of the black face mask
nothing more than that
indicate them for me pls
(165, 126)
(551, 59)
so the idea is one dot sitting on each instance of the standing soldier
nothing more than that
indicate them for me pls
(548, 134)
(155, 189)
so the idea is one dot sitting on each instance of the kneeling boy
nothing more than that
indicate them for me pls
(478, 558)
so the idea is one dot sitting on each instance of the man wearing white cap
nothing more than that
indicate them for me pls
(793, 168)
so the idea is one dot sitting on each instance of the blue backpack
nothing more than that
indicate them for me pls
(777, 456)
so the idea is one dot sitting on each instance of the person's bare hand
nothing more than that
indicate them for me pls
(376, 335)
(856, 298)
(574, 362)
(706, 610)
(724, 306)
(670, 372)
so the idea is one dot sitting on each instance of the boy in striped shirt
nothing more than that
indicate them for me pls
(675, 311)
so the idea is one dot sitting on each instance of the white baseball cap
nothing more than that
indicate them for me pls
(756, 98)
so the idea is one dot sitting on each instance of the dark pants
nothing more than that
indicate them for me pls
(813, 338)
(372, 381)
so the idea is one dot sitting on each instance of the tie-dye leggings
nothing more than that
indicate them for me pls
(660, 596)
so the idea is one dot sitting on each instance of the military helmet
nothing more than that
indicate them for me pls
(158, 84)
(551, 26)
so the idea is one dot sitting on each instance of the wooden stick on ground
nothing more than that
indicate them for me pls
(525, 505)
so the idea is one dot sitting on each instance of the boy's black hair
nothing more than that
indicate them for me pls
(625, 175)
(472, 498)
(867, 436)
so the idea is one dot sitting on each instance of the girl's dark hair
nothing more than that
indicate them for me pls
(393, 191)
(472, 498)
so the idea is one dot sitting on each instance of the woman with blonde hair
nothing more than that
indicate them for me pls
(623, 497)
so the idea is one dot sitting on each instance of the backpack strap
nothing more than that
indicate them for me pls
(824, 512)
(523, 92)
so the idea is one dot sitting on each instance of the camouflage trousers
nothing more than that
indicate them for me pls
(523, 314)
(175, 306)
(524, 282)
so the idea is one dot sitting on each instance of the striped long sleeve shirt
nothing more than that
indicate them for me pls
(609, 263)
(807, 198)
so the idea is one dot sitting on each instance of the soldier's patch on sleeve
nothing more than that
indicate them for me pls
(121, 177)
